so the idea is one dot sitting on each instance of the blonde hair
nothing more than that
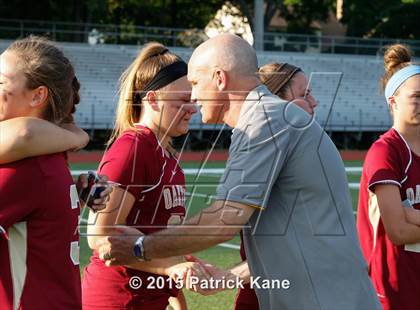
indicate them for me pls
(151, 59)
(43, 64)
(396, 57)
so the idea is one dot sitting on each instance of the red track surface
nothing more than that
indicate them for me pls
(84, 157)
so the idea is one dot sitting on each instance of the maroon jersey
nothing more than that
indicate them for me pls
(39, 241)
(395, 270)
(246, 298)
(138, 162)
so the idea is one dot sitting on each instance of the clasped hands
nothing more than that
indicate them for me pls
(194, 274)
(200, 276)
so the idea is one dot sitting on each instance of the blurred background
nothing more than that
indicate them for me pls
(339, 44)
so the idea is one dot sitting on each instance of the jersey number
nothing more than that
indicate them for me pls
(74, 246)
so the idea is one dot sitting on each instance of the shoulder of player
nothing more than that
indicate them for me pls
(388, 146)
(389, 143)
(132, 138)
(128, 148)
(382, 147)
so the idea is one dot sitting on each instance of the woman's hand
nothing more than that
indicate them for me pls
(200, 276)
(179, 271)
(99, 203)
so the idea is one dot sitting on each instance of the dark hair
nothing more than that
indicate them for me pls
(396, 57)
(43, 64)
(277, 77)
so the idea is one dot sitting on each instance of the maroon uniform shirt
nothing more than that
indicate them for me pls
(246, 298)
(394, 270)
(138, 162)
(39, 241)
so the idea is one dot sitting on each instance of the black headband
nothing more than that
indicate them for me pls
(165, 76)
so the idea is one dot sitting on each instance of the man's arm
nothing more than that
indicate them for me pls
(112, 220)
(27, 136)
(218, 223)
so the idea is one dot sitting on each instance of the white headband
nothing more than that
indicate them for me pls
(400, 77)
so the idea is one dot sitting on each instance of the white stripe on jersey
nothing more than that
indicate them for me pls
(160, 180)
(409, 161)
(74, 197)
(384, 182)
(3, 231)
(18, 239)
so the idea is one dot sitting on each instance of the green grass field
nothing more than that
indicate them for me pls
(222, 257)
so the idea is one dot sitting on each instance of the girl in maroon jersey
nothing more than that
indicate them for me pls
(28, 136)
(387, 221)
(154, 107)
(38, 203)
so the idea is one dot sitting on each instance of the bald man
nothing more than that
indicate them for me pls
(284, 185)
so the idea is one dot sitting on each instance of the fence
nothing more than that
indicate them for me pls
(133, 34)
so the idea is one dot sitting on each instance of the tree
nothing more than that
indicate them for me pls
(362, 16)
(299, 14)
(382, 18)
(163, 13)
(401, 22)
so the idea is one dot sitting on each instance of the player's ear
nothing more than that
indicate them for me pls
(39, 96)
(392, 103)
(152, 100)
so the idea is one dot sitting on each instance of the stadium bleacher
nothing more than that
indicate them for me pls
(352, 80)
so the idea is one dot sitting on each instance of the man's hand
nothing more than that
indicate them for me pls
(212, 272)
(100, 203)
(119, 249)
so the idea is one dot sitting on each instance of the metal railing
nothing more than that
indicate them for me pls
(133, 34)
(330, 44)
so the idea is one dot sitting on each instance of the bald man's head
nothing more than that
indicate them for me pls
(228, 52)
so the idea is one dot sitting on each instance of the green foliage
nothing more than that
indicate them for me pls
(402, 22)
(374, 18)
(300, 14)
(382, 18)
(164, 13)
